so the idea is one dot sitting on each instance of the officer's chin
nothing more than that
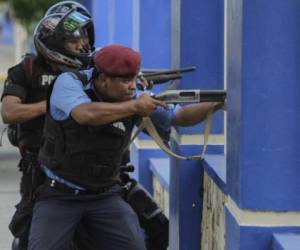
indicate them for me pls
(120, 99)
(129, 97)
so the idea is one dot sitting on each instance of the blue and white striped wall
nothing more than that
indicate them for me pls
(252, 48)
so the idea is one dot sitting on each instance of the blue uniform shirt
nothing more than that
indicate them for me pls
(69, 92)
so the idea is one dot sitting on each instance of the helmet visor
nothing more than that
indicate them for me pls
(73, 25)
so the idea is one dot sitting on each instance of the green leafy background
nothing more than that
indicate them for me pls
(29, 12)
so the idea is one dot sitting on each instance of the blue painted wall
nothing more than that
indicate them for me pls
(113, 22)
(185, 192)
(140, 159)
(155, 32)
(287, 241)
(264, 92)
(116, 20)
(155, 36)
(123, 23)
(101, 13)
(201, 45)
(154, 44)
(242, 237)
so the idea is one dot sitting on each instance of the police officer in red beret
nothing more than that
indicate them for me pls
(88, 125)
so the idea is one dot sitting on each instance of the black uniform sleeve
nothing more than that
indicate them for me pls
(16, 83)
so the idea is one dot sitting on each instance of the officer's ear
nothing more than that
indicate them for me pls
(102, 80)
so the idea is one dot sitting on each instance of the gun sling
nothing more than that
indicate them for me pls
(149, 126)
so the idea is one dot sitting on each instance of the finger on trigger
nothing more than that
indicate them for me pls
(161, 103)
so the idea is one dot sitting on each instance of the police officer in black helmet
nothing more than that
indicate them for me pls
(24, 94)
(60, 50)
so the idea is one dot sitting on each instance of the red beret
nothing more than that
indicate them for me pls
(117, 60)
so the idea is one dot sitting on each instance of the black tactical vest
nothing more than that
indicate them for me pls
(89, 156)
(40, 76)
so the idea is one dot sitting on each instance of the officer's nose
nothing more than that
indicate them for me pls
(132, 84)
(83, 45)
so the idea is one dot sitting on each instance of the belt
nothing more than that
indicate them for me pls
(66, 189)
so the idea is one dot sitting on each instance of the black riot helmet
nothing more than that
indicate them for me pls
(66, 6)
(55, 30)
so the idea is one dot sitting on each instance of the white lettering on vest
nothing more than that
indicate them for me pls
(47, 79)
(119, 125)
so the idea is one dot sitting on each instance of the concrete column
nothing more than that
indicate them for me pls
(151, 36)
(263, 70)
(197, 40)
